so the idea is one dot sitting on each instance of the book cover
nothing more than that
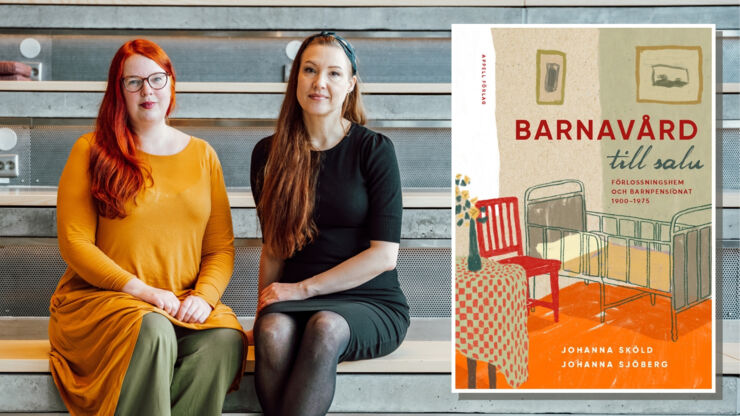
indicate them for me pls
(583, 163)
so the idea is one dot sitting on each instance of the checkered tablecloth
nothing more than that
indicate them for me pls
(491, 317)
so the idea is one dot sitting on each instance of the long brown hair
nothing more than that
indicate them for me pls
(116, 172)
(288, 192)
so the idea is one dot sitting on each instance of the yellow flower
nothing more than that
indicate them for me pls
(458, 176)
(459, 216)
(457, 190)
(465, 194)
(474, 212)
(473, 201)
(467, 179)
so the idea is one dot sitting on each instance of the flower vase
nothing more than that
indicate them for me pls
(474, 263)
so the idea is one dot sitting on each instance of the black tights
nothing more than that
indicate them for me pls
(296, 368)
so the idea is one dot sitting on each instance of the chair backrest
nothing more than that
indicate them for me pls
(500, 233)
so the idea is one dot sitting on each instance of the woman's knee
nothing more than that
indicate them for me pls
(219, 351)
(226, 343)
(157, 332)
(327, 331)
(274, 329)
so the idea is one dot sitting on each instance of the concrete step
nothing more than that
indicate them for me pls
(384, 414)
(415, 379)
(416, 393)
(220, 105)
(238, 198)
(346, 18)
(386, 57)
(32, 356)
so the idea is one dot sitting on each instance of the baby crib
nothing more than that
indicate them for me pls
(658, 258)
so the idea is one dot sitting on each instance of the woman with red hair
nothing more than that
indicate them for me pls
(328, 194)
(144, 224)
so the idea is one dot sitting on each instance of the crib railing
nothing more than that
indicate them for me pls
(661, 258)
(691, 263)
(594, 245)
(637, 250)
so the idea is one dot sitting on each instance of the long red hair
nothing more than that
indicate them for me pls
(117, 174)
(287, 199)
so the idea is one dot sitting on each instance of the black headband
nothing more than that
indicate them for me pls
(346, 46)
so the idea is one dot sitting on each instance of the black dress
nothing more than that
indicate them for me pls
(358, 199)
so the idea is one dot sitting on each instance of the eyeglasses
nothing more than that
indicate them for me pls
(157, 81)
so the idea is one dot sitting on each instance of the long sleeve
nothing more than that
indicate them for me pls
(77, 223)
(217, 259)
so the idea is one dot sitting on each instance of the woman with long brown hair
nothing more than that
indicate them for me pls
(144, 224)
(328, 195)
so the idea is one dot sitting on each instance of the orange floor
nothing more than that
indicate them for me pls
(635, 324)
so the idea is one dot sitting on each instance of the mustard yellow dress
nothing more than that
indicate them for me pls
(177, 236)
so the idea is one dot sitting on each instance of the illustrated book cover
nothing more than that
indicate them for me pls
(583, 255)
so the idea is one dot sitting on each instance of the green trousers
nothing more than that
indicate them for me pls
(179, 371)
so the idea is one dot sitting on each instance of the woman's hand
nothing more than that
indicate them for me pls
(279, 292)
(162, 299)
(194, 309)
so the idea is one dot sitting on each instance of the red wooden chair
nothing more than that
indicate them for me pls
(501, 235)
